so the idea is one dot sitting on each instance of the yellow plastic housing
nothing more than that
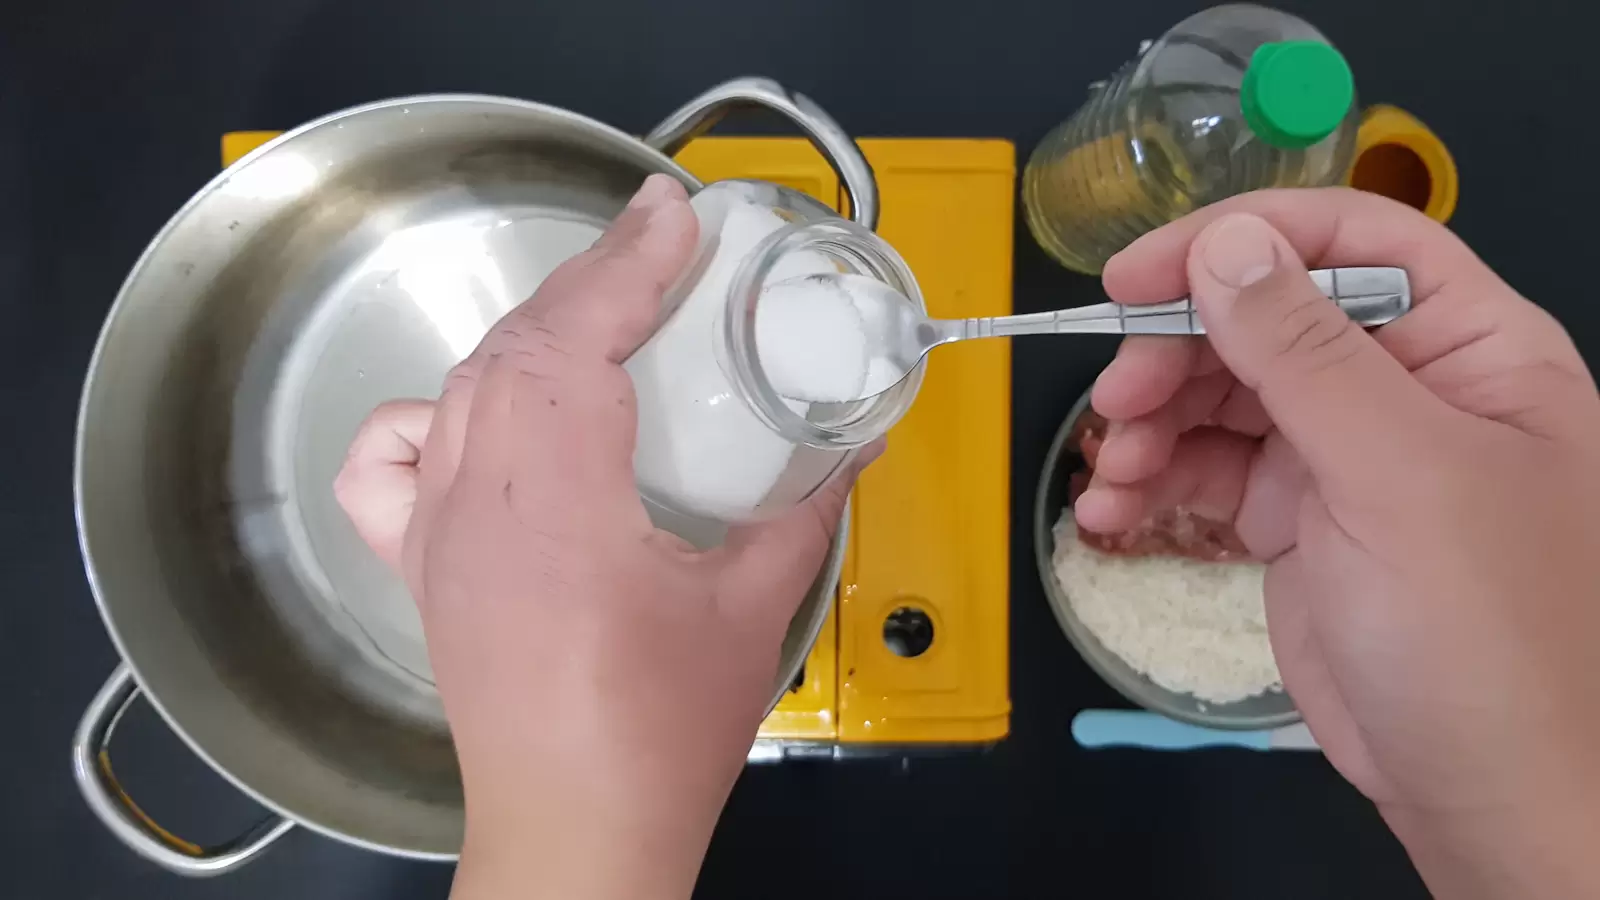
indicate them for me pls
(930, 527)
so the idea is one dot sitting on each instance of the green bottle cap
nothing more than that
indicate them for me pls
(1295, 93)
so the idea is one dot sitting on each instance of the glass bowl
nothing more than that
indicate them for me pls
(1270, 710)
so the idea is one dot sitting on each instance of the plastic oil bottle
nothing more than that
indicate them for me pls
(1234, 99)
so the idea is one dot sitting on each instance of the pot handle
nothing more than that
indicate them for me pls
(91, 768)
(703, 112)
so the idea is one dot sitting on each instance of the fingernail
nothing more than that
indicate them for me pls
(1093, 507)
(1114, 428)
(1106, 372)
(656, 190)
(870, 454)
(628, 227)
(1241, 250)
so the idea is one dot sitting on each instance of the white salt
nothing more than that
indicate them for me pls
(822, 338)
(700, 451)
(810, 340)
(882, 374)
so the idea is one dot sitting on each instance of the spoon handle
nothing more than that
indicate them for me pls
(1371, 295)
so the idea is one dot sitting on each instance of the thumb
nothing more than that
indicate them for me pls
(608, 298)
(1339, 398)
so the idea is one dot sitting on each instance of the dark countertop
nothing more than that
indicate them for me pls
(109, 119)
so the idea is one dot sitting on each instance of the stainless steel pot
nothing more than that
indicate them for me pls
(350, 261)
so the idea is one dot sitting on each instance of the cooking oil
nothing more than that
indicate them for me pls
(1233, 99)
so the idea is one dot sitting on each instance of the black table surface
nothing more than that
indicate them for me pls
(109, 119)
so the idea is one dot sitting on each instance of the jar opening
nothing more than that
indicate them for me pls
(826, 426)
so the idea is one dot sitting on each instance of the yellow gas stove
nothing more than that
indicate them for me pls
(915, 652)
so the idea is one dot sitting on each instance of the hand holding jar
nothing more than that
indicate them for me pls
(603, 679)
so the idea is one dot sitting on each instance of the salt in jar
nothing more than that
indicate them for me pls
(718, 440)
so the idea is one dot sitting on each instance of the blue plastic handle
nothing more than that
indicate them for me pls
(1094, 729)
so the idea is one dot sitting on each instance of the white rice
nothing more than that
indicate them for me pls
(1194, 627)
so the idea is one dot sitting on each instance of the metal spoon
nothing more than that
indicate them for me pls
(899, 334)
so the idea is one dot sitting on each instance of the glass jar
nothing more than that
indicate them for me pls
(716, 441)
(1233, 99)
